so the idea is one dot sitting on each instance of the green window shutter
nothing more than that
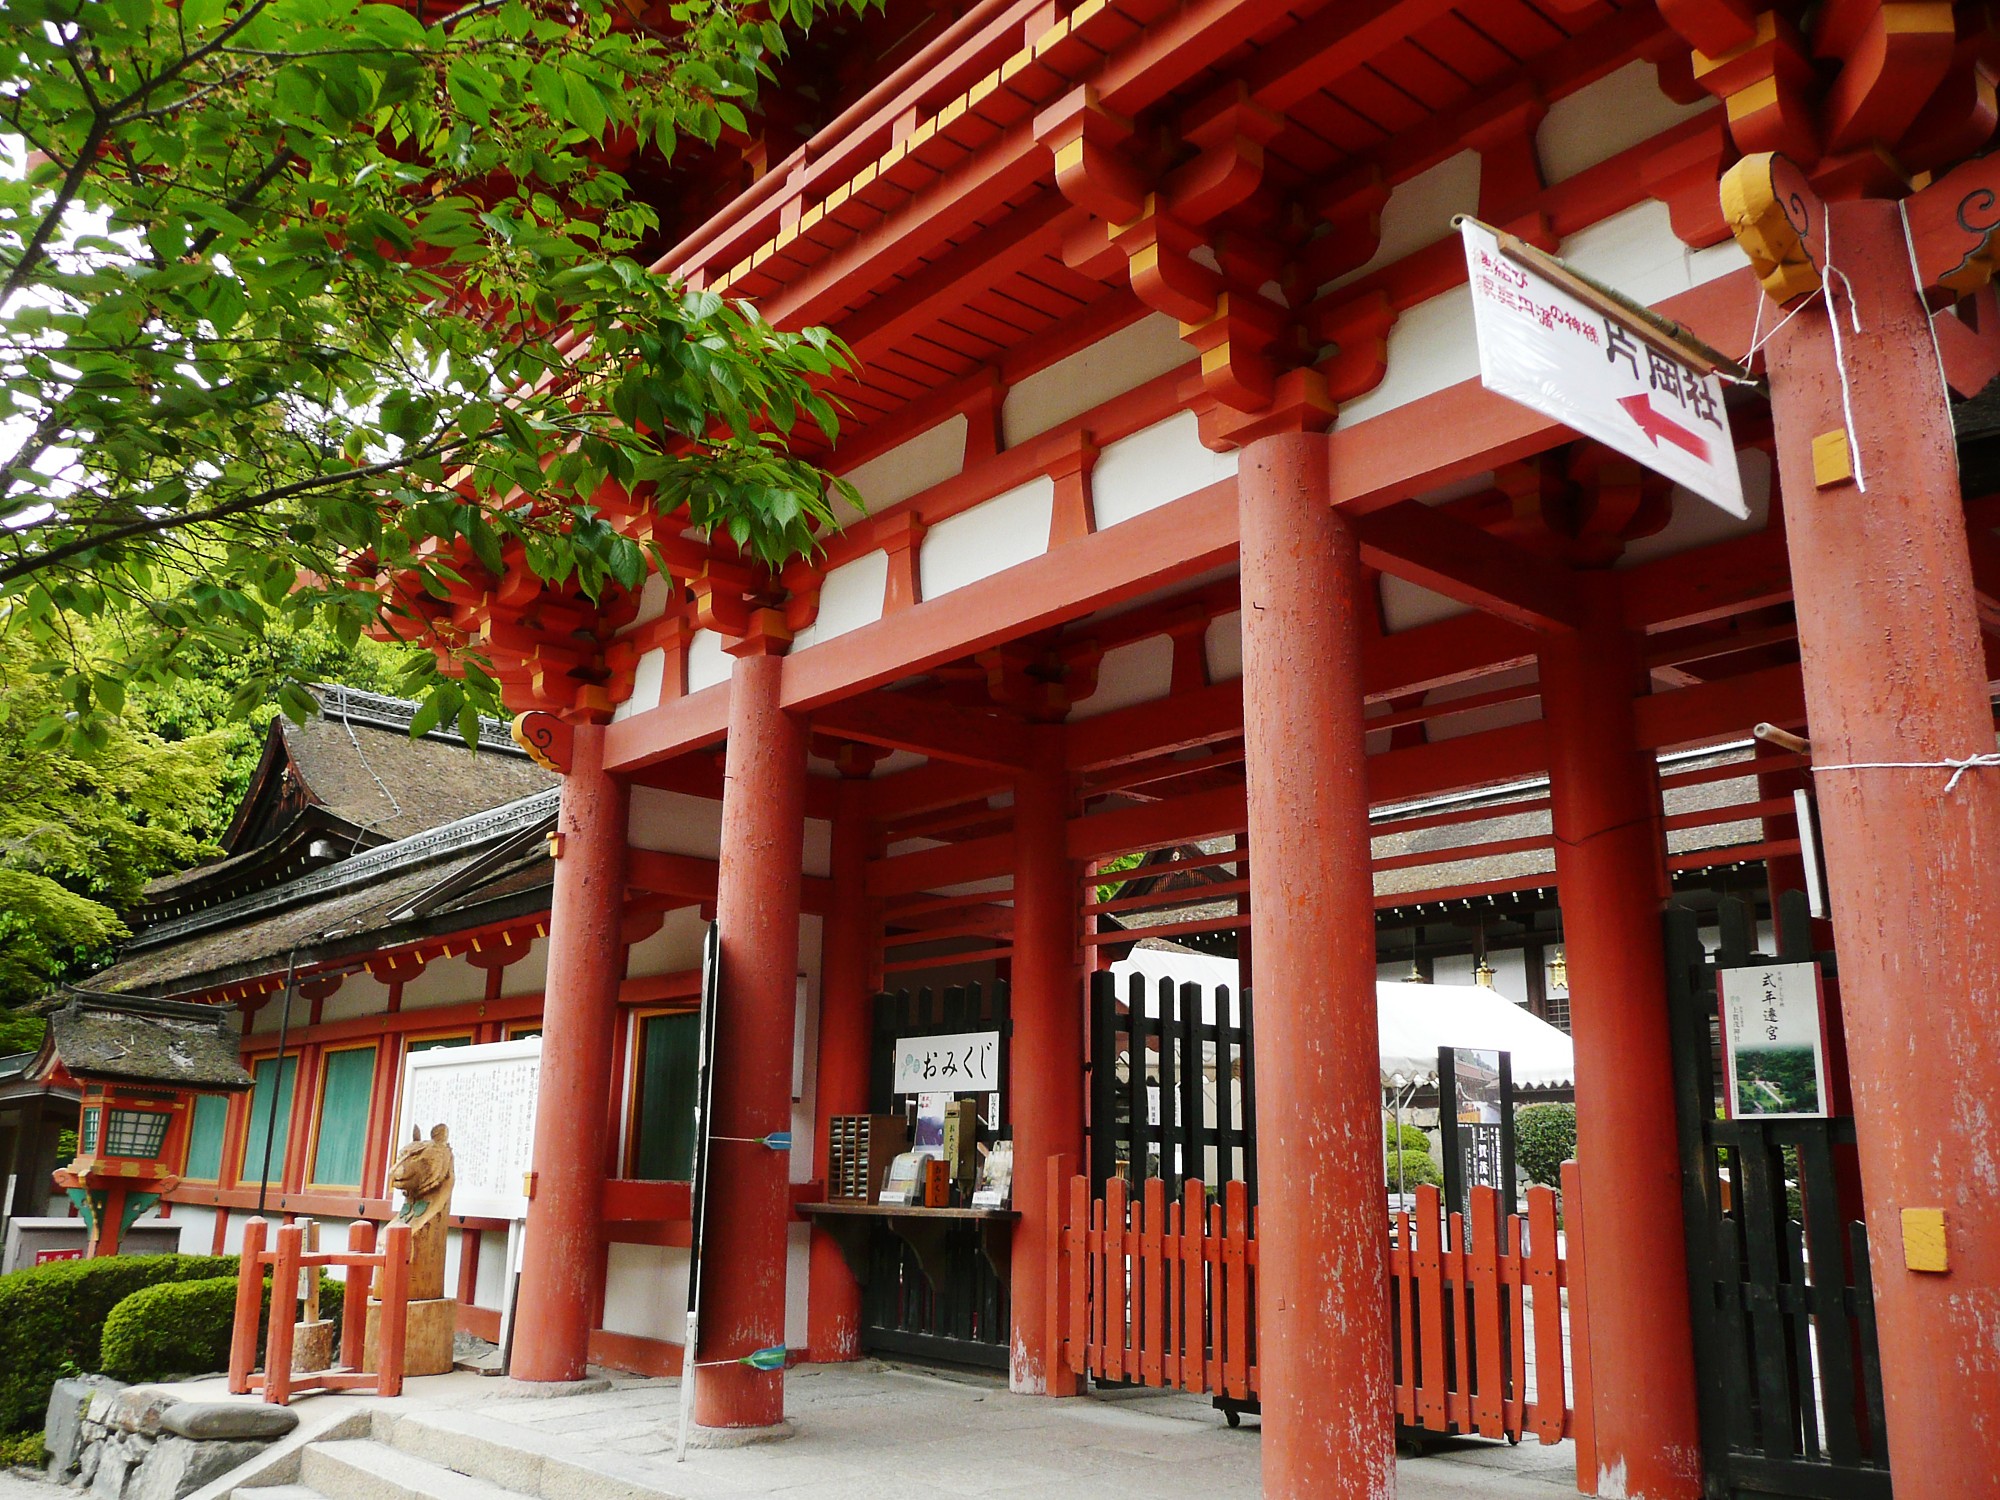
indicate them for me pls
(269, 1076)
(211, 1114)
(431, 1044)
(663, 1124)
(343, 1116)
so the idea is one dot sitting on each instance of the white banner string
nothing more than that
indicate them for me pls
(1957, 767)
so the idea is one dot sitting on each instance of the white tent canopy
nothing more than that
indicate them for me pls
(1412, 1020)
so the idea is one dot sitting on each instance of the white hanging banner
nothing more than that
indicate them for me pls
(1600, 371)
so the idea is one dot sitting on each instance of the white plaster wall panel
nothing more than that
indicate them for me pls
(911, 846)
(805, 1060)
(1406, 605)
(1153, 466)
(850, 596)
(645, 1291)
(818, 848)
(913, 466)
(674, 949)
(1604, 118)
(1133, 673)
(990, 538)
(899, 760)
(1224, 645)
(444, 981)
(798, 1283)
(976, 887)
(1696, 522)
(1419, 211)
(1430, 348)
(265, 1017)
(491, 1282)
(232, 1235)
(675, 823)
(653, 600)
(649, 677)
(528, 974)
(197, 1226)
(708, 663)
(1637, 252)
(1478, 720)
(359, 995)
(1090, 377)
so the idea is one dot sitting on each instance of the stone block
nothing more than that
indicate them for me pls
(69, 1403)
(312, 1345)
(179, 1466)
(136, 1408)
(118, 1456)
(245, 1421)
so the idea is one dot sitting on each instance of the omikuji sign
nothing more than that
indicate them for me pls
(1602, 372)
(966, 1063)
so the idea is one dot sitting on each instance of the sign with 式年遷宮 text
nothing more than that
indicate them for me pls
(1598, 370)
(967, 1062)
(1773, 1041)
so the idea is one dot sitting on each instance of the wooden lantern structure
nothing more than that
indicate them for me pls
(139, 1064)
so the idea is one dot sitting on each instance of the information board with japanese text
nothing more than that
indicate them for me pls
(1596, 372)
(967, 1062)
(485, 1097)
(1773, 1042)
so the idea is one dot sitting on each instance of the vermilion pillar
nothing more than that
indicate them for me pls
(833, 1303)
(1889, 638)
(559, 1266)
(1323, 1302)
(757, 915)
(1045, 1063)
(1612, 877)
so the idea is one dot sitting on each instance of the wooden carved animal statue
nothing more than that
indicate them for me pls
(424, 1174)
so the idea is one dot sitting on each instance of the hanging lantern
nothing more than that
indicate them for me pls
(1484, 973)
(1559, 972)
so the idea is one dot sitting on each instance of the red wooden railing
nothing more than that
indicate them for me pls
(1488, 1328)
(278, 1381)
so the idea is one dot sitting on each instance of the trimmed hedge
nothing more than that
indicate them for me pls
(1406, 1137)
(1544, 1138)
(179, 1328)
(52, 1320)
(1418, 1170)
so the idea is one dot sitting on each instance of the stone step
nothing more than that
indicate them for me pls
(362, 1469)
(275, 1492)
(520, 1460)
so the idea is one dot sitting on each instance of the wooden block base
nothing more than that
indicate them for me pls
(312, 1346)
(428, 1347)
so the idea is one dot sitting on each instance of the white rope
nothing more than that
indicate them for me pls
(1957, 767)
(1840, 354)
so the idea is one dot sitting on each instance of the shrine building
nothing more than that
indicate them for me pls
(1205, 595)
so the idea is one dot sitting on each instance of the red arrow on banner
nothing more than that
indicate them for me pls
(1657, 425)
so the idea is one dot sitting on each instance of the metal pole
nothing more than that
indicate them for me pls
(277, 1078)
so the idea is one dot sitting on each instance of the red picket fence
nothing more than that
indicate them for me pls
(1163, 1293)
(279, 1381)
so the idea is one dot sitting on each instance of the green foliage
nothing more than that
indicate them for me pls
(1416, 1170)
(181, 1328)
(1130, 860)
(80, 834)
(1406, 1138)
(23, 1450)
(19, 1033)
(1544, 1138)
(293, 290)
(52, 1319)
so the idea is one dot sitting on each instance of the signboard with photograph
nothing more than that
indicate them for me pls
(1476, 1116)
(1773, 1042)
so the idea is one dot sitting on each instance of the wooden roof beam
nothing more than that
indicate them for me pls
(1436, 550)
(928, 726)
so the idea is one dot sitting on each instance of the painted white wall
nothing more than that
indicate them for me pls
(1604, 118)
(444, 981)
(674, 949)
(1492, 716)
(818, 858)
(1153, 466)
(645, 1291)
(197, 1226)
(1110, 367)
(1224, 645)
(1637, 252)
(991, 537)
(850, 596)
(1431, 347)
(649, 677)
(674, 823)
(1419, 212)
(1407, 605)
(359, 995)
(1133, 673)
(708, 663)
(653, 600)
(490, 1285)
(913, 466)
(529, 974)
